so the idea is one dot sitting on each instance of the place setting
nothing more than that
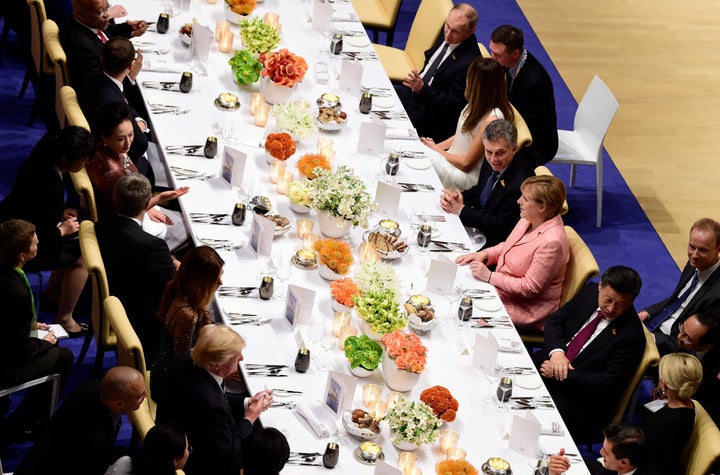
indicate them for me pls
(189, 174)
(412, 187)
(210, 218)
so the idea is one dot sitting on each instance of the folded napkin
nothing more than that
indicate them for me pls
(162, 66)
(507, 345)
(320, 429)
(401, 133)
(552, 428)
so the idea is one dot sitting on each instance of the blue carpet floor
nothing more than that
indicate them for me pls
(627, 237)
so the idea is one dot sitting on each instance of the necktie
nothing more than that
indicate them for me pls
(102, 36)
(33, 324)
(658, 319)
(489, 185)
(508, 79)
(435, 64)
(582, 337)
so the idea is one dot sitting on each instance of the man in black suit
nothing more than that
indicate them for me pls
(593, 345)
(216, 422)
(80, 438)
(491, 205)
(138, 265)
(434, 97)
(530, 90)
(698, 288)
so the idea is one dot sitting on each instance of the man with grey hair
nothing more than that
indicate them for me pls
(491, 205)
(138, 265)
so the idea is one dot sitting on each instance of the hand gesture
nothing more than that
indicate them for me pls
(559, 464)
(452, 201)
(414, 81)
(138, 27)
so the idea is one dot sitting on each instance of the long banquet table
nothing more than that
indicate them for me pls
(275, 343)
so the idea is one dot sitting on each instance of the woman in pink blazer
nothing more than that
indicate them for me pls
(530, 264)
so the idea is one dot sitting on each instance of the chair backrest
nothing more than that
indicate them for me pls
(595, 113)
(543, 170)
(92, 258)
(51, 36)
(703, 448)
(391, 7)
(84, 189)
(581, 267)
(43, 65)
(484, 51)
(651, 357)
(426, 26)
(523, 131)
(71, 107)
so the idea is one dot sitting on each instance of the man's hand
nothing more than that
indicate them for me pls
(414, 81)
(643, 315)
(70, 213)
(451, 201)
(138, 27)
(117, 11)
(257, 404)
(136, 66)
(159, 217)
(559, 464)
(556, 367)
(172, 194)
(69, 226)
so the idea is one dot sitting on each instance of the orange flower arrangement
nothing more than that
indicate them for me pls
(455, 467)
(309, 162)
(443, 404)
(343, 291)
(242, 7)
(283, 67)
(280, 146)
(335, 254)
(407, 350)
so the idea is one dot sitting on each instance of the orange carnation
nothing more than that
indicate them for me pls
(280, 146)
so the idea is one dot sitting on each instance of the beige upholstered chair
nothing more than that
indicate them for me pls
(41, 61)
(543, 170)
(130, 353)
(51, 378)
(378, 15)
(703, 448)
(51, 36)
(105, 338)
(71, 108)
(524, 135)
(425, 28)
(484, 51)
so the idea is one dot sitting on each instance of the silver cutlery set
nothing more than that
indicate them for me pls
(187, 150)
(237, 292)
(247, 319)
(221, 244)
(188, 174)
(305, 458)
(162, 85)
(269, 370)
(167, 109)
(390, 115)
(377, 91)
(532, 402)
(416, 187)
(361, 55)
(411, 155)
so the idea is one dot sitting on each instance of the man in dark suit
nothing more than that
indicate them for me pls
(216, 422)
(530, 90)
(698, 288)
(434, 97)
(138, 265)
(593, 345)
(80, 438)
(491, 205)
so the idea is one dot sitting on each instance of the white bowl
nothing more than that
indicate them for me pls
(420, 327)
(355, 431)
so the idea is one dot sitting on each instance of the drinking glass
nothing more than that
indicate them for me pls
(416, 218)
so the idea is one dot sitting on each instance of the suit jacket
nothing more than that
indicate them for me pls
(530, 271)
(82, 423)
(645, 470)
(203, 409)
(501, 212)
(532, 95)
(138, 267)
(587, 398)
(708, 394)
(707, 297)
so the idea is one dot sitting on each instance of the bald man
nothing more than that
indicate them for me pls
(80, 438)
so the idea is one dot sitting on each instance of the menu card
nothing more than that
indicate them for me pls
(201, 39)
(372, 138)
(350, 77)
(299, 305)
(232, 168)
(262, 233)
(485, 353)
(387, 197)
(322, 16)
(524, 434)
(339, 392)
(441, 275)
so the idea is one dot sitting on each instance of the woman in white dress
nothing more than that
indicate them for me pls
(458, 158)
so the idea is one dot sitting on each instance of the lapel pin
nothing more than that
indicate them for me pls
(614, 331)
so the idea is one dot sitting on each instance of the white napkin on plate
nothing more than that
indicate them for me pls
(320, 429)
(552, 428)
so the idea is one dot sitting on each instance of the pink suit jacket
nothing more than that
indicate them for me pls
(530, 271)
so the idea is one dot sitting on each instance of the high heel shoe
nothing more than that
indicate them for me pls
(77, 334)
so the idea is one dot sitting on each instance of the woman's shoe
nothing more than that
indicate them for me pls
(83, 330)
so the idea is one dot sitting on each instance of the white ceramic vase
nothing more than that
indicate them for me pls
(327, 273)
(332, 226)
(300, 209)
(404, 445)
(275, 93)
(361, 372)
(397, 379)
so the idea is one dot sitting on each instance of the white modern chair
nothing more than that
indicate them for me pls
(584, 144)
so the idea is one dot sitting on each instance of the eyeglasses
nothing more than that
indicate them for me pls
(684, 337)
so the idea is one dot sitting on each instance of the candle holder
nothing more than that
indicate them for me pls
(309, 241)
(304, 227)
(368, 253)
(392, 398)
(256, 99)
(406, 462)
(346, 332)
(276, 167)
(272, 19)
(340, 321)
(371, 393)
(262, 112)
(220, 27)
(448, 439)
(379, 409)
(284, 179)
(225, 42)
(456, 453)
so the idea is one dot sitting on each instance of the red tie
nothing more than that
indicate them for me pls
(582, 337)
(102, 36)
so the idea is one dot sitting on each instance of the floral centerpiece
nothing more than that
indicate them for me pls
(412, 422)
(376, 276)
(283, 67)
(343, 291)
(245, 67)
(298, 193)
(242, 7)
(380, 310)
(406, 350)
(342, 195)
(455, 467)
(443, 403)
(334, 254)
(295, 118)
(257, 36)
(312, 163)
(363, 352)
(280, 146)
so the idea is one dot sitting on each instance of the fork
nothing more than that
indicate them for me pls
(177, 149)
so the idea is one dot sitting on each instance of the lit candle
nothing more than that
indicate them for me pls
(323, 144)
(392, 398)
(309, 241)
(256, 99)
(211, 2)
(406, 462)
(340, 321)
(272, 19)
(344, 333)
(413, 471)
(220, 27)
(261, 114)
(304, 227)
(456, 453)
(276, 167)
(225, 41)
(368, 253)
(448, 439)
(371, 393)
(284, 179)
(379, 409)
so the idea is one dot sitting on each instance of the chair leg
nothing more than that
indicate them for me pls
(99, 357)
(86, 345)
(5, 34)
(390, 38)
(55, 393)
(599, 184)
(376, 36)
(26, 81)
(572, 175)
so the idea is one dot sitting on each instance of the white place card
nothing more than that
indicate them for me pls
(351, 76)
(383, 468)
(232, 168)
(262, 233)
(524, 434)
(201, 40)
(372, 138)
(387, 197)
(322, 16)
(299, 305)
(485, 353)
(441, 275)
(339, 392)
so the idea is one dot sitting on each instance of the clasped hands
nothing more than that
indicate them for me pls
(476, 261)
(414, 81)
(557, 367)
(259, 403)
(69, 224)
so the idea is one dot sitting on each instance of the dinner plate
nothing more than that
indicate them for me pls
(357, 41)
(383, 102)
(488, 305)
(417, 163)
(528, 381)
(284, 386)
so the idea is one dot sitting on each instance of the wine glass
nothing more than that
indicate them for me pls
(416, 218)
(316, 332)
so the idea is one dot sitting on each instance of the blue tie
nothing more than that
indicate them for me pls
(435, 64)
(658, 319)
(488, 188)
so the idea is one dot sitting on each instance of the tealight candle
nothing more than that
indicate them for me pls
(456, 453)
(368, 253)
(309, 241)
(392, 398)
(256, 99)
(220, 27)
(371, 393)
(261, 115)
(304, 227)
(211, 2)
(276, 167)
(225, 41)
(272, 19)
(284, 179)
(324, 143)
(340, 321)
(344, 333)
(448, 439)
(406, 462)
(413, 471)
(379, 409)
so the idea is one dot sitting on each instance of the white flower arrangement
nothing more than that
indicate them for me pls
(342, 194)
(377, 276)
(295, 118)
(412, 421)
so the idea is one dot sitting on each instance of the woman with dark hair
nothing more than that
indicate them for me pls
(463, 153)
(164, 451)
(24, 356)
(39, 195)
(266, 452)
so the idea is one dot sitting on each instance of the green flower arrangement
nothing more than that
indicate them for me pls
(380, 310)
(412, 421)
(257, 36)
(245, 66)
(362, 351)
(343, 195)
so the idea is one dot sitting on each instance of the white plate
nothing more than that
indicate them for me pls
(357, 41)
(528, 381)
(417, 163)
(383, 102)
(488, 305)
(287, 386)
